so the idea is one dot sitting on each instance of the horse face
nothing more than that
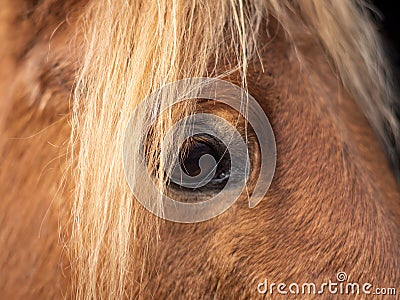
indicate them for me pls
(332, 205)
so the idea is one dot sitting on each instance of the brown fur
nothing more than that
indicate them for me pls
(35, 90)
(333, 205)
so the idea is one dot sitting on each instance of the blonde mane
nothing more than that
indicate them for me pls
(131, 48)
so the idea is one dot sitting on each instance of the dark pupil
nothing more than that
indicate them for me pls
(190, 161)
(195, 147)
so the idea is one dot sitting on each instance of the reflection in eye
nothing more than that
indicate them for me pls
(204, 154)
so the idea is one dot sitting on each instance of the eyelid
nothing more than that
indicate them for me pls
(209, 141)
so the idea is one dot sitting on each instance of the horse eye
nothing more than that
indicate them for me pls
(206, 160)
